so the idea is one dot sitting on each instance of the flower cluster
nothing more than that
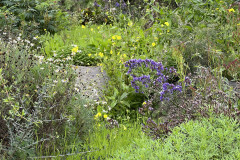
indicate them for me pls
(158, 78)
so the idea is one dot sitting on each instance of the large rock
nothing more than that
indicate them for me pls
(91, 80)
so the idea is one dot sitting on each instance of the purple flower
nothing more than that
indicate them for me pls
(96, 4)
(117, 4)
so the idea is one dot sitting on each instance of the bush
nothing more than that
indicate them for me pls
(33, 17)
(212, 138)
(39, 104)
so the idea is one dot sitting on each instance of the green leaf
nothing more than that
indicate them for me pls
(125, 103)
(124, 95)
(113, 104)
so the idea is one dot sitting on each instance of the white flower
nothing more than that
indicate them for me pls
(57, 70)
(76, 89)
(41, 57)
(42, 68)
(55, 81)
(64, 80)
(68, 58)
(50, 59)
(73, 53)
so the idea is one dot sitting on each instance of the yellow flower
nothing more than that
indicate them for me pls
(166, 23)
(111, 52)
(105, 116)
(144, 103)
(99, 125)
(130, 24)
(168, 30)
(124, 128)
(231, 10)
(98, 27)
(100, 54)
(45, 29)
(153, 44)
(113, 37)
(119, 37)
(75, 49)
(91, 29)
(217, 8)
(98, 115)
(83, 26)
(89, 55)
(124, 55)
(238, 24)
(162, 25)
(113, 44)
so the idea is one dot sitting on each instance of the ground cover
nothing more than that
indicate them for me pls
(169, 66)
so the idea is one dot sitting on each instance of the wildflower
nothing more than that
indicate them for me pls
(100, 54)
(98, 115)
(96, 4)
(153, 44)
(130, 24)
(89, 55)
(41, 58)
(166, 23)
(124, 128)
(76, 89)
(144, 103)
(55, 81)
(119, 37)
(64, 81)
(124, 55)
(73, 53)
(75, 49)
(111, 52)
(231, 10)
(45, 30)
(27, 95)
(117, 4)
(91, 29)
(83, 26)
(68, 58)
(105, 116)
(50, 59)
(162, 25)
(113, 37)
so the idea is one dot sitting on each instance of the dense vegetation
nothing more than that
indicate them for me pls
(173, 79)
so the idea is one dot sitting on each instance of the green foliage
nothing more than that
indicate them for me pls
(33, 16)
(39, 104)
(104, 142)
(211, 138)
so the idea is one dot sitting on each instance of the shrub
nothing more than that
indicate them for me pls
(34, 17)
(210, 138)
(39, 104)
